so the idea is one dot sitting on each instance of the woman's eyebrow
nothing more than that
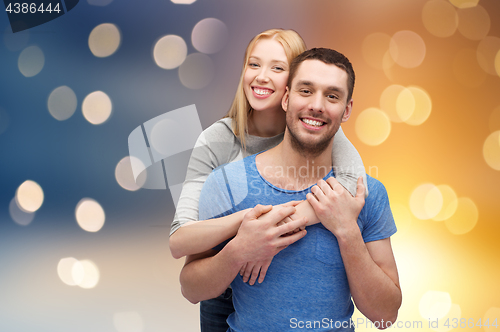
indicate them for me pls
(253, 57)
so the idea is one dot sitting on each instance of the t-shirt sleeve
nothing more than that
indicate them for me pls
(376, 215)
(214, 147)
(215, 198)
(347, 163)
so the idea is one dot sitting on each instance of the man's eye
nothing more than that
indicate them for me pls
(332, 97)
(305, 91)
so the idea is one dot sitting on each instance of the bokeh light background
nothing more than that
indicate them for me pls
(83, 248)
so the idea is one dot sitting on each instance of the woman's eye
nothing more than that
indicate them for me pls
(251, 64)
(279, 68)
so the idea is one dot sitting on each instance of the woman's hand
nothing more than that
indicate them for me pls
(256, 270)
(251, 270)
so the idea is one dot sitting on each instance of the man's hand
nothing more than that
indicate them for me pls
(334, 205)
(260, 238)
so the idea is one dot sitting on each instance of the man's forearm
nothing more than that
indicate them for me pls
(206, 278)
(376, 292)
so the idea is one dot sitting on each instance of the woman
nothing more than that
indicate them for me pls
(255, 122)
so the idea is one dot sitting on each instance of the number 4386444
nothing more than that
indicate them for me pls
(469, 323)
(27, 8)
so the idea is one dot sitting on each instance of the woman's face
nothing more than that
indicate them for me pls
(266, 75)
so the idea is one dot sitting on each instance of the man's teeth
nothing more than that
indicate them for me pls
(312, 122)
(262, 91)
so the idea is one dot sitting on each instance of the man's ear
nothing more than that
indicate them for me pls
(284, 100)
(347, 111)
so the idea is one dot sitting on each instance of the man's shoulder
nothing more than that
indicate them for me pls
(378, 193)
(374, 184)
(235, 166)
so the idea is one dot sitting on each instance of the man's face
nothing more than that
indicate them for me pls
(316, 105)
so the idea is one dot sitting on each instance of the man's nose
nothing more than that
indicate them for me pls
(316, 103)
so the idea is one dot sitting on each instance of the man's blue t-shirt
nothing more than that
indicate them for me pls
(306, 284)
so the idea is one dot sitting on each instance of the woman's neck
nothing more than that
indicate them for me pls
(266, 123)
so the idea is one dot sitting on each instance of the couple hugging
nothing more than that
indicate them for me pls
(271, 249)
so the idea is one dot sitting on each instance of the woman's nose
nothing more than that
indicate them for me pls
(263, 76)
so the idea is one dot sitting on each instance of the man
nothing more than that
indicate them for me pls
(314, 273)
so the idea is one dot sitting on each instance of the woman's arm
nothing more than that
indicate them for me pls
(199, 236)
(347, 163)
(216, 146)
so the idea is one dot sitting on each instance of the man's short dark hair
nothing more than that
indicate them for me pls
(327, 56)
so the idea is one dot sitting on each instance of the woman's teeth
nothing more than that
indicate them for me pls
(262, 92)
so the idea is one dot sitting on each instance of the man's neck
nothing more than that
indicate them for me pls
(287, 168)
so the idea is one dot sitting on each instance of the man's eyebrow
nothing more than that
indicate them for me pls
(329, 89)
(306, 83)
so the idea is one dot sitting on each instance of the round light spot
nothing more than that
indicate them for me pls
(426, 201)
(128, 322)
(467, 70)
(374, 48)
(62, 103)
(373, 126)
(405, 104)
(491, 315)
(209, 35)
(407, 49)
(125, 177)
(100, 3)
(402, 217)
(443, 324)
(197, 71)
(160, 134)
(422, 109)
(486, 53)
(4, 121)
(450, 203)
(464, 3)
(65, 269)
(396, 100)
(434, 305)
(494, 121)
(104, 40)
(491, 150)
(440, 18)
(474, 23)
(90, 276)
(90, 215)
(465, 217)
(20, 216)
(15, 41)
(97, 107)
(31, 61)
(29, 196)
(170, 52)
(183, 2)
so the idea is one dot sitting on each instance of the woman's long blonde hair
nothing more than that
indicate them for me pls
(240, 108)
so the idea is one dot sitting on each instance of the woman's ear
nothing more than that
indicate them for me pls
(284, 100)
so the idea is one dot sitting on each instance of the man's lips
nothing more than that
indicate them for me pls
(313, 123)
